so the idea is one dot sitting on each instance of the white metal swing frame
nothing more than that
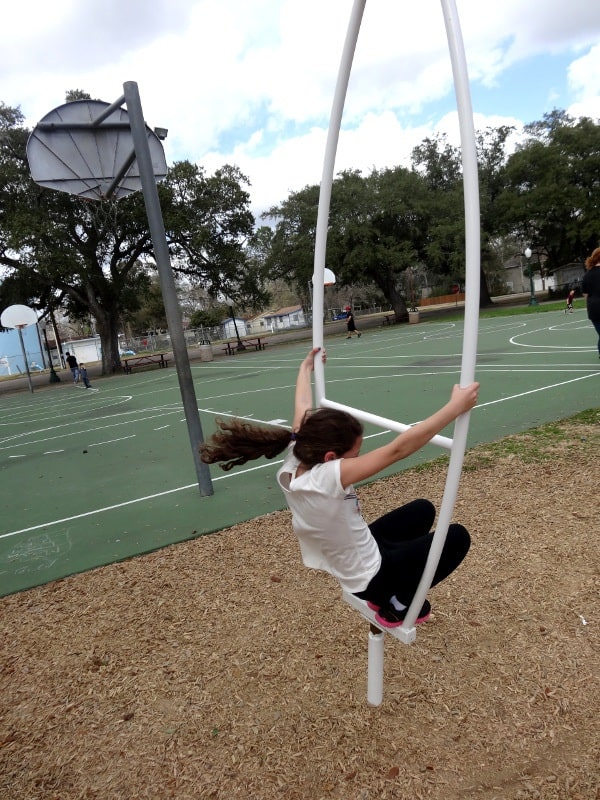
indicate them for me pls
(407, 633)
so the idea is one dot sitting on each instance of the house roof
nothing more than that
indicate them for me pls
(284, 312)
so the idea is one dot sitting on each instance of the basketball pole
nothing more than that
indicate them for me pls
(20, 330)
(139, 132)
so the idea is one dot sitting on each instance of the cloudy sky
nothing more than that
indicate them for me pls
(250, 82)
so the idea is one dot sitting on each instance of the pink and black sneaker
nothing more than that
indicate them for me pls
(390, 617)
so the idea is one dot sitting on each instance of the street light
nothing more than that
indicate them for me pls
(532, 299)
(53, 376)
(229, 302)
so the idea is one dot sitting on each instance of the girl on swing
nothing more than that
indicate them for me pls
(381, 562)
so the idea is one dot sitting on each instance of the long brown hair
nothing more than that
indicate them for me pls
(324, 430)
(593, 260)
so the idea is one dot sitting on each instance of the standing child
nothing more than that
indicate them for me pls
(381, 562)
(570, 297)
(84, 376)
(351, 324)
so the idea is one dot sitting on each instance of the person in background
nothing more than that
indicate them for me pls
(350, 324)
(73, 366)
(84, 376)
(590, 286)
(570, 298)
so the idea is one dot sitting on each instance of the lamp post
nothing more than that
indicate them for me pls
(532, 299)
(53, 376)
(240, 344)
(229, 302)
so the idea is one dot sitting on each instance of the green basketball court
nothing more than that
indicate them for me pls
(94, 476)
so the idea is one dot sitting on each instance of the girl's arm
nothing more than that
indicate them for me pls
(304, 397)
(358, 469)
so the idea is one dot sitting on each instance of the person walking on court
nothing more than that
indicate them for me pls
(570, 298)
(590, 286)
(381, 562)
(84, 376)
(73, 366)
(350, 324)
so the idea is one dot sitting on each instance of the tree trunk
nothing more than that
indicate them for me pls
(57, 339)
(400, 310)
(394, 297)
(107, 326)
(485, 299)
(398, 303)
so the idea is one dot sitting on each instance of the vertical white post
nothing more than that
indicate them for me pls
(473, 247)
(375, 667)
(472, 225)
(335, 123)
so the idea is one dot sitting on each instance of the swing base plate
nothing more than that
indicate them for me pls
(405, 635)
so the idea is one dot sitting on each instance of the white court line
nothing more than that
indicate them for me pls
(534, 391)
(128, 503)
(260, 466)
(4, 446)
(554, 328)
(111, 441)
(151, 496)
(53, 427)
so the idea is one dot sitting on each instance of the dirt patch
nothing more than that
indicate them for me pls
(221, 668)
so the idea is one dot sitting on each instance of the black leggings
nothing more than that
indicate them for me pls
(404, 538)
(596, 324)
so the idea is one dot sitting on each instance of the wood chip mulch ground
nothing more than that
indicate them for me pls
(221, 668)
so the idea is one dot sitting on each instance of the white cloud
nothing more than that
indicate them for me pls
(252, 83)
(584, 75)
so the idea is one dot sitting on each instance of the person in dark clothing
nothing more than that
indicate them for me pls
(590, 286)
(84, 376)
(73, 366)
(570, 298)
(351, 325)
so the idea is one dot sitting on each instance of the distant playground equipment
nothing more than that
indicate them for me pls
(407, 633)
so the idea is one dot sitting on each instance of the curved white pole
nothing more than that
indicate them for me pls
(456, 445)
(469, 357)
(335, 123)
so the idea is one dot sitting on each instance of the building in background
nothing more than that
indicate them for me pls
(11, 354)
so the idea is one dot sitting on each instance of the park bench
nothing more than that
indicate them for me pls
(231, 348)
(147, 360)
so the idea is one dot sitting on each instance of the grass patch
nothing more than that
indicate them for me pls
(511, 311)
(537, 445)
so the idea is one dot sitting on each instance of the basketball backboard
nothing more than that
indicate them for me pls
(18, 316)
(86, 148)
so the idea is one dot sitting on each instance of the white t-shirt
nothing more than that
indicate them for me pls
(327, 520)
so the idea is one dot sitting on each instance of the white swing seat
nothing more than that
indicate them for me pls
(406, 635)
